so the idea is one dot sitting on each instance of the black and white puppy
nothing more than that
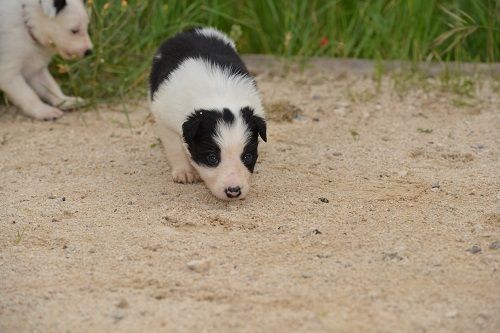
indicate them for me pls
(31, 32)
(208, 111)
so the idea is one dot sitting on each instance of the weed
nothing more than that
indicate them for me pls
(378, 73)
(458, 84)
(155, 144)
(360, 95)
(463, 103)
(19, 237)
(408, 79)
(354, 134)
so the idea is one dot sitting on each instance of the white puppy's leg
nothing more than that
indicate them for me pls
(182, 171)
(21, 94)
(48, 89)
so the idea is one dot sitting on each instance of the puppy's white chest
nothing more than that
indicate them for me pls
(34, 62)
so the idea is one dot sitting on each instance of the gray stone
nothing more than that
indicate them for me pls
(474, 249)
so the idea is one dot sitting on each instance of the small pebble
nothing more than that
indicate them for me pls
(394, 256)
(52, 197)
(306, 275)
(474, 249)
(342, 105)
(435, 185)
(495, 245)
(123, 304)
(316, 119)
(63, 198)
(317, 232)
(118, 314)
(323, 256)
(340, 112)
(402, 173)
(325, 200)
(482, 320)
(160, 296)
(199, 266)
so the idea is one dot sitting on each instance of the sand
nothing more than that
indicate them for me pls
(374, 208)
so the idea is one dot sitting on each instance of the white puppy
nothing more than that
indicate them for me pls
(208, 111)
(31, 32)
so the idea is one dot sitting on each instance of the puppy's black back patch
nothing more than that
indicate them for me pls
(192, 44)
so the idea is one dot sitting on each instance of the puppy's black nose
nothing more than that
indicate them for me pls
(88, 52)
(233, 192)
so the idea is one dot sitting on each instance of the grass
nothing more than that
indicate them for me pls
(127, 33)
(19, 237)
(460, 85)
(354, 134)
(463, 86)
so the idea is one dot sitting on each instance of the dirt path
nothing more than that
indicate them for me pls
(96, 237)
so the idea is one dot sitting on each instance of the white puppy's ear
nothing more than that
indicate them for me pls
(52, 7)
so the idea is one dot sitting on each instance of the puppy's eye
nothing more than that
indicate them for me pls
(212, 160)
(247, 158)
(75, 31)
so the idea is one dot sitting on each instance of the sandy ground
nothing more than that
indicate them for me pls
(370, 211)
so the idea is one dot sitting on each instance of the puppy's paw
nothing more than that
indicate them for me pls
(45, 112)
(70, 103)
(185, 176)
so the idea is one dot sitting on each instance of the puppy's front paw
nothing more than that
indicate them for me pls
(70, 103)
(46, 112)
(185, 176)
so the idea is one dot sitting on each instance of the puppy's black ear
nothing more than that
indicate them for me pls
(52, 7)
(255, 123)
(190, 127)
(59, 5)
(261, 126)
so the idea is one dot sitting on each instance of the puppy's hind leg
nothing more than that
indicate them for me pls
(182, 171)
(21, 94)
